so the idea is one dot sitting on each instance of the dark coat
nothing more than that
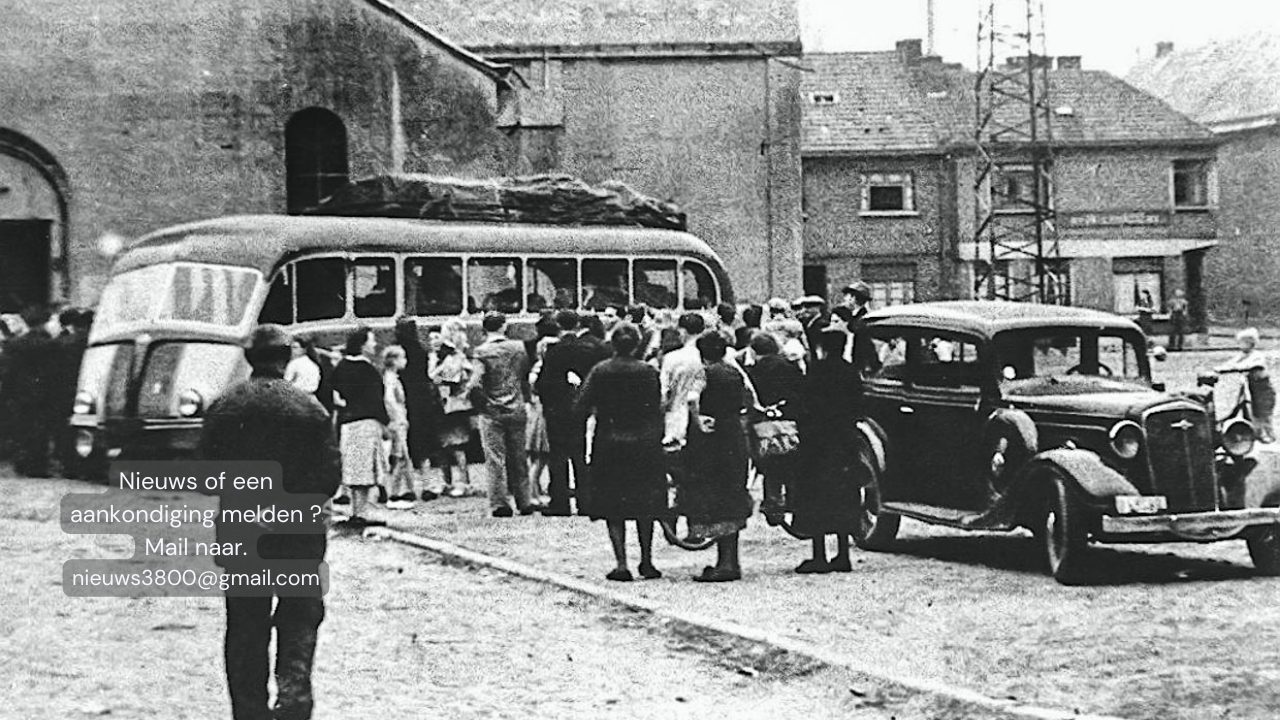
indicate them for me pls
(422, 400)
(573, 353)
(825, 494)
(628, 464)
(716, 462)
(267, 418)
(776, 379)
(361, 388)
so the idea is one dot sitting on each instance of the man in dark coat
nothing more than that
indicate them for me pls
(564, 368)
(68, 352)
(267, 418)
(29, 400)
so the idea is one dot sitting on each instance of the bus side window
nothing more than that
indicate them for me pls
(278, 307)
(699, 287)
(604, 283)
(374, 287)
(494, 284)
(655, 283)
(433, 286)
(321, 288)
(553, 283)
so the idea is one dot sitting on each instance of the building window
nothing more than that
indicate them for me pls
(814, 280)
(1013, 189)
(315, 157)
(1137, 282)
(1192, 180)
(887, 193)
(891, 283)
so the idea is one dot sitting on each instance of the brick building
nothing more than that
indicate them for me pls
(889, 170)
(1233, 88)
(696, 102)
(121, 117)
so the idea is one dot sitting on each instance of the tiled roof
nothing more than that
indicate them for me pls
(488, 24)
(883, 105)
(1223, 81)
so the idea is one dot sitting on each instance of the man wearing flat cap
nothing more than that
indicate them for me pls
(857, 298)
(812, 314)
(267, 418)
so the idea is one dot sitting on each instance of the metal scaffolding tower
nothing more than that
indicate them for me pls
(1016, 246)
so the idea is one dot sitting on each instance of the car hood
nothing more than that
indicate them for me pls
(1118, 404)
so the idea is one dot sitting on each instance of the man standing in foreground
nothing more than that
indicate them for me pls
(501, 389)
(267, 418)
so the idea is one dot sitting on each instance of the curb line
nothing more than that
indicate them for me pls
(723, 627)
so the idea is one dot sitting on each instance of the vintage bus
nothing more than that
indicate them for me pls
(167, 335)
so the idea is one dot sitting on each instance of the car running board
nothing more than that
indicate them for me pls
(992, 519)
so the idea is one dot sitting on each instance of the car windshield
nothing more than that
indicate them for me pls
(1062, 354)
(176, 294)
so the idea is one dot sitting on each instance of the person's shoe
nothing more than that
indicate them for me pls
(532, 508)
(710, 574)
(554, 511)
(649, 572)
(400, 502)
(814, 566)
(428, 496)
(619, 575)
(382, 495)
(456, 492)
(374, 523)
(503, 512)
(342, 500)
(842, 565)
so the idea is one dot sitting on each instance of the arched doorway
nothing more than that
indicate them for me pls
(34, 193)
(315, 157)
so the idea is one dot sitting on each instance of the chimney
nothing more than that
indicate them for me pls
(1164, 47)
(1069, 62)
(910, 51)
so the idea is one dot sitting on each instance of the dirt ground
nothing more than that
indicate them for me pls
(407, 635)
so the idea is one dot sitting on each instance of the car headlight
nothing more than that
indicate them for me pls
(190, 403)
(1126, 439)
(1238, 437)
(85, 403)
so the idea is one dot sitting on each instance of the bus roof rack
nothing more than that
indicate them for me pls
(544, 199)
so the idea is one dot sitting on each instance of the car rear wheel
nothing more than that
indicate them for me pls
(875, 528)
(1062, 531)
(1264, 549)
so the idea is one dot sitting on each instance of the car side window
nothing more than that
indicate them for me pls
(946, 360)
(891, 350)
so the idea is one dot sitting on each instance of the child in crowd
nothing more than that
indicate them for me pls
(402, 493)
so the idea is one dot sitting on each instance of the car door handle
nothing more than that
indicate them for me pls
(906, 409)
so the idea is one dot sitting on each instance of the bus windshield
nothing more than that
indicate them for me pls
(180, 294)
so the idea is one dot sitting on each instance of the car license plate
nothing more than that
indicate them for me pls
(1140, 504)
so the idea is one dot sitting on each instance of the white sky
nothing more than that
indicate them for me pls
(1110, 34)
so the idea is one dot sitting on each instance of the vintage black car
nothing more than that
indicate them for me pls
(994, 416)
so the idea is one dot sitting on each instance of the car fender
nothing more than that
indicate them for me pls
(1083, 469)
(876, 439)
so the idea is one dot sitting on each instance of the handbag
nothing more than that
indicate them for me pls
(776, 438)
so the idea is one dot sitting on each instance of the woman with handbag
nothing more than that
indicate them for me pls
(779, 387)
(824, 497)
(452, 375)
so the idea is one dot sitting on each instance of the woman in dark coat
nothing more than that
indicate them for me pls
(716, 501)
(779, 386)
(421, 399)
(362, 421)
(628, 465)
(824, 499)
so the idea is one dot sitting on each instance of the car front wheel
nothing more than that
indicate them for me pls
(1062, 530)
(875, 528)
(1264, 549)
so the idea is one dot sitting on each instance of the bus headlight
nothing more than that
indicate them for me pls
(1126, 439)
(1238, 437)
(85, 403)
(190, 403)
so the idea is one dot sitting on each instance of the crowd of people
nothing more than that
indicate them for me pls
(40, 354)
(628, 414)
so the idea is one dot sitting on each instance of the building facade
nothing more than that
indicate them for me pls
(122, 117)
(697, 103)
(890, 172)
(1233, 88)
